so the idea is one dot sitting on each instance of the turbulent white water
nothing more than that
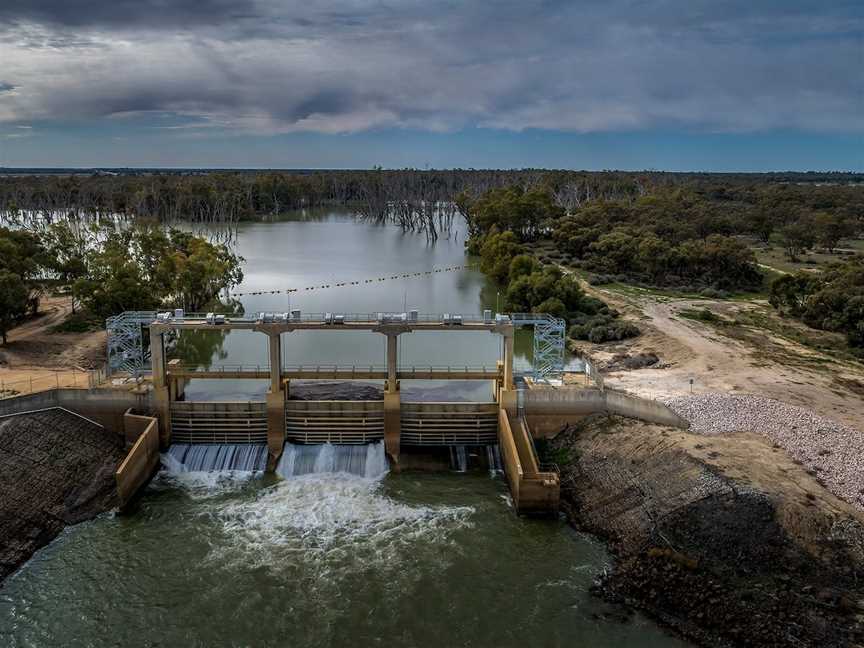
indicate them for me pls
(331, 509)
(330, 518)
(215, 458)
(207, 471)
(362, 460)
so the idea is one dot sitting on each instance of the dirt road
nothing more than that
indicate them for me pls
(36, 352)
(763, 364)
(35, 343)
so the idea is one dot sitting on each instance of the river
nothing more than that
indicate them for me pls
(235, 560)
(319, 248)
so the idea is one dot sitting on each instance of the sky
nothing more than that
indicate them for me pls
(714, 85)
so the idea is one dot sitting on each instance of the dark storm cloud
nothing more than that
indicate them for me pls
(274, 66)
(125, 13)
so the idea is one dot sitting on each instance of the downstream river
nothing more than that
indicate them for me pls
(236, 560)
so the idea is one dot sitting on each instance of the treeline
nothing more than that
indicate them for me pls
(531, 287)
(414, 199)
(423, 201)
(110, 269)
(832, 300)
(693, 237)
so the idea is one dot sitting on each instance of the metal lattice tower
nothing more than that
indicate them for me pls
(126, 350)
(548, 343)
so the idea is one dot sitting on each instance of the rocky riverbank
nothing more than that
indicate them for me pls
(56, 469)
(726, 540)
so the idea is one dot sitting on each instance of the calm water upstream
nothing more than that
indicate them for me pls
(319, 248)
(216, 560)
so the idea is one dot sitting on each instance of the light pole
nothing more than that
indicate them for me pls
(497, 295)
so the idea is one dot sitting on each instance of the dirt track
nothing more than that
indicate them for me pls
(766, 365)
(36, 351)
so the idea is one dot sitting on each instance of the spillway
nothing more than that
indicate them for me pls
(215, 458)
(459, 458)
(493, 460)
(363, 460)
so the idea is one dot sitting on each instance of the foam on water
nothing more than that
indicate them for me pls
(334, 518)
(331, 509)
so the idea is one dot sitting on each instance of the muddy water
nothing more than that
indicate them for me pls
(318, 560)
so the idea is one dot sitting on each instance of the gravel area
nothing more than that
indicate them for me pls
(835, 452)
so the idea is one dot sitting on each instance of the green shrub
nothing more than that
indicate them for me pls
(603, 328)
(80, 322)
(701, 315)
(714, 293)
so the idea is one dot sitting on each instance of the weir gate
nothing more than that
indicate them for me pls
(405, 427)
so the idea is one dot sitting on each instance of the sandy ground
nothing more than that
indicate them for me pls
(34, 351)
(766, 364)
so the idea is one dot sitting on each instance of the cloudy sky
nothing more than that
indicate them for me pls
(631, 84)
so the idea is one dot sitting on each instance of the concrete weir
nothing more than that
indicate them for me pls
(331, 421)
(400, 424)
(510, 421)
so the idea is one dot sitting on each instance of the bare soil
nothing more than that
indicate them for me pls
(36, 352)
(751, 360)
(725, 539)
(35, 343)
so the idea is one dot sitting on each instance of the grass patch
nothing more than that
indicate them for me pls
(702, 315)
(827, 342)
(80, 322)
(750, 326)
(775, 257)
(549, 452)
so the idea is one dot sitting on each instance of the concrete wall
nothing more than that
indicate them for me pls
(642, 408)
(548, 410)
(509, 456)
(40, 400)
(105, 406)
(533, 490)
(524, 446)
(142, 460)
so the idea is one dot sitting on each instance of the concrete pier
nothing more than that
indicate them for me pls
(169, 381)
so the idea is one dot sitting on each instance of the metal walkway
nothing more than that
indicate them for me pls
(128, 352)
